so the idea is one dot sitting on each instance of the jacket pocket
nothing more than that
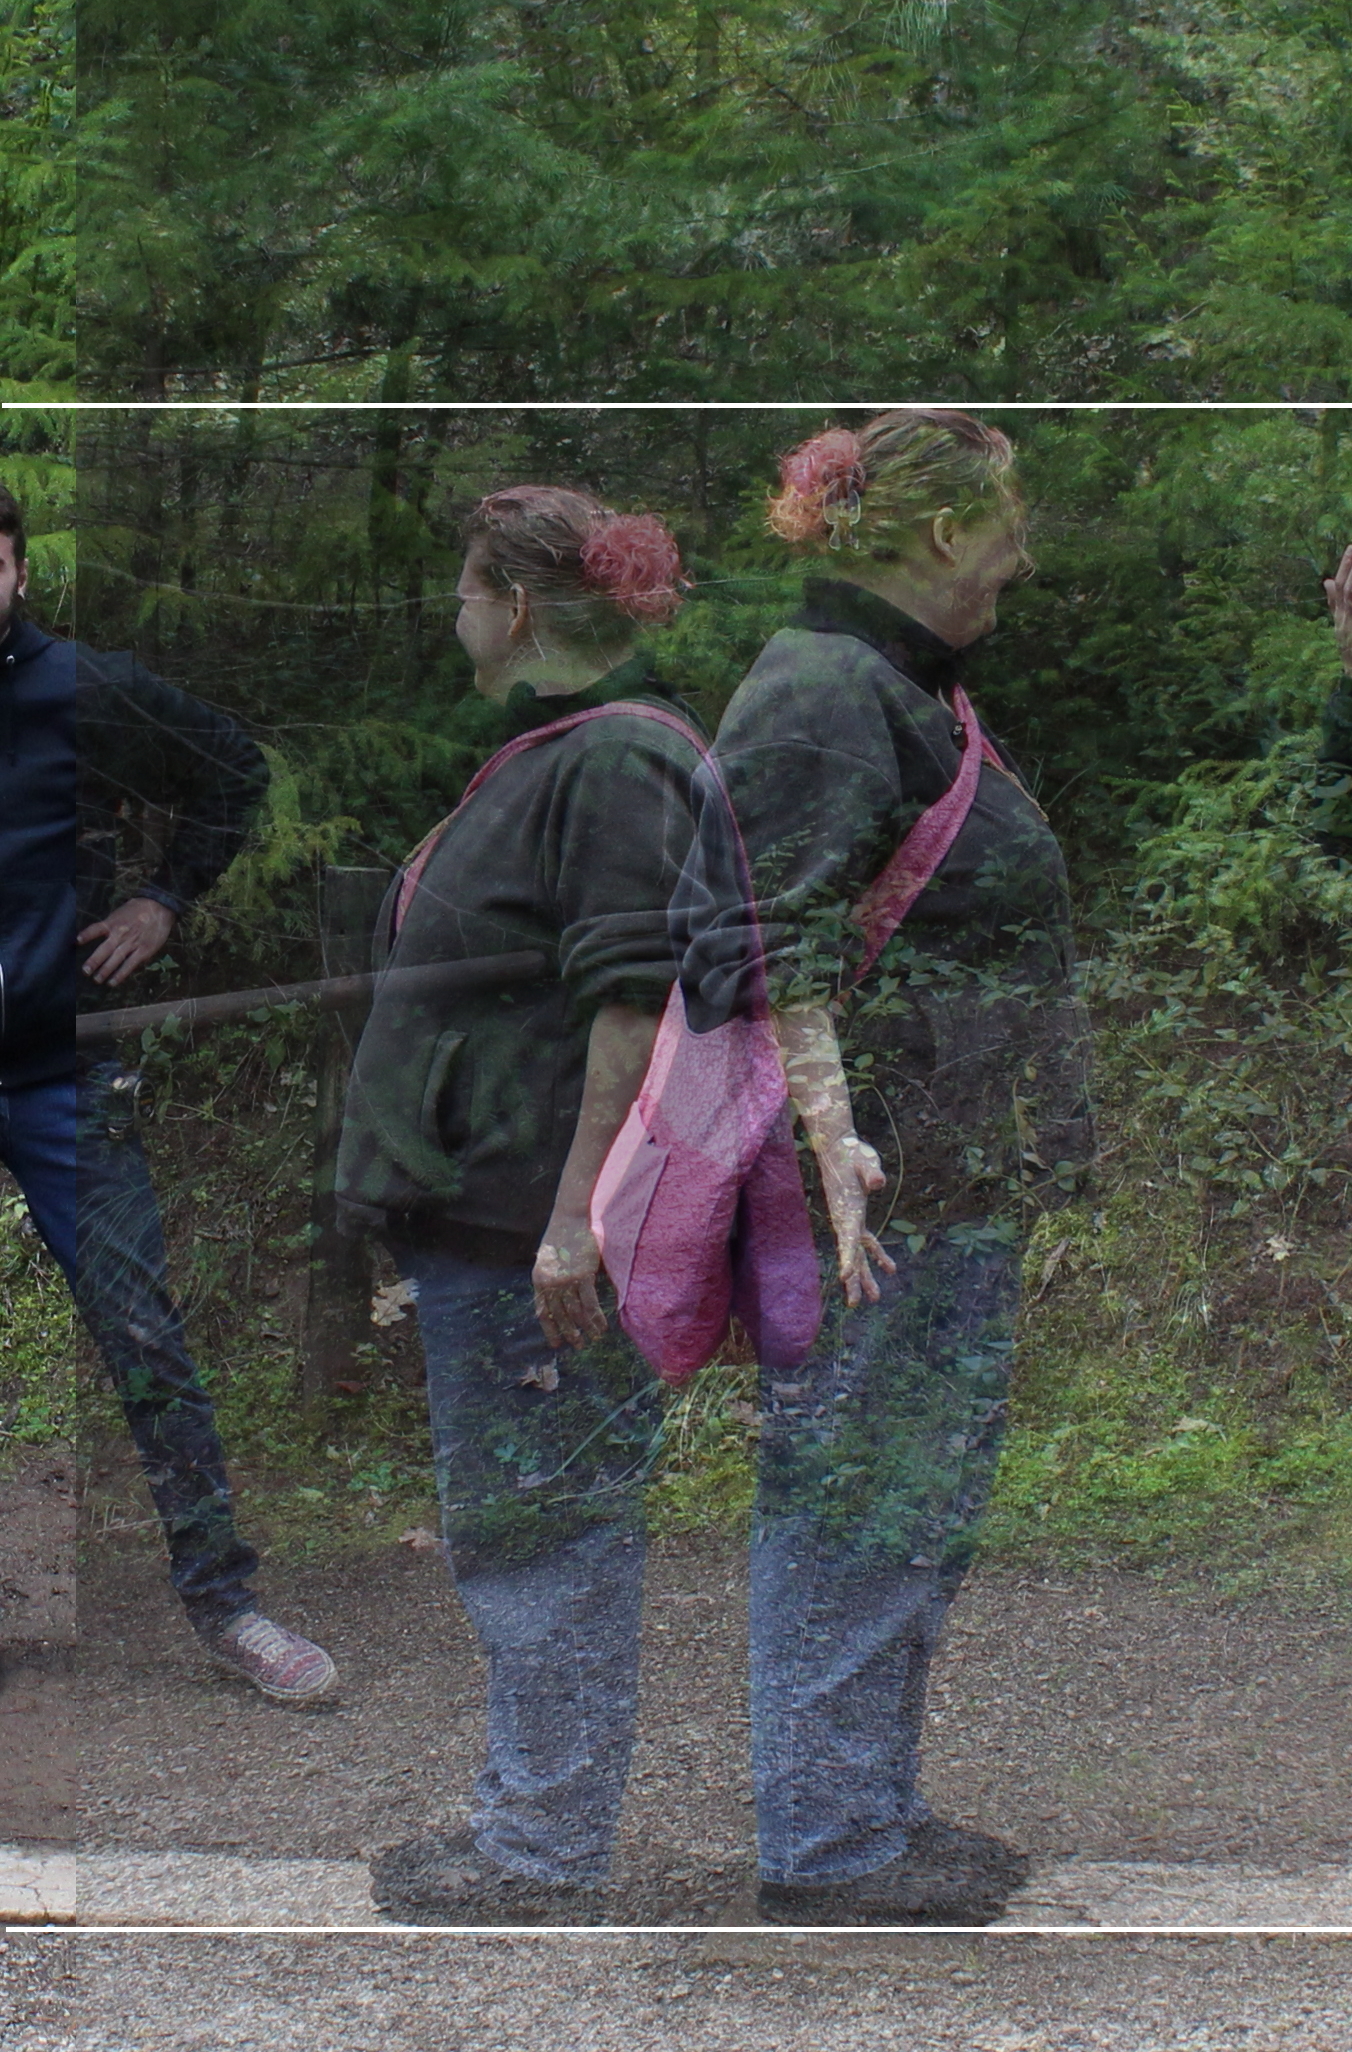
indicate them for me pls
(440, 1069)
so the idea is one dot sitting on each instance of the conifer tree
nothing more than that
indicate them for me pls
(37, 243)
(668, 200)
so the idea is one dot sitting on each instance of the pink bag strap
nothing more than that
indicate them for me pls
(888, 898)
(895, 888)
(422, 854)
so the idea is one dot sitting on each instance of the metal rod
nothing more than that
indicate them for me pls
(327, 994)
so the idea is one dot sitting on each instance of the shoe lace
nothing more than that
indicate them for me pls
(261, 1636)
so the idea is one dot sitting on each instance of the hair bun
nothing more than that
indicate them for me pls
(817, 474)
(632, 560)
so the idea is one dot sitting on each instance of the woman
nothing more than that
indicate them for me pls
(478, 1117)
(947, 1083)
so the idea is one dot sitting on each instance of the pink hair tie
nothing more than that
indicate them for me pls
(632, 560)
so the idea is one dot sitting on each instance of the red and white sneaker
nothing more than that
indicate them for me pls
(279, 1663)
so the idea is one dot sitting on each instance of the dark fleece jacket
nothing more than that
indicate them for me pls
(965, 1045)
(462, 1108)
(37, 856)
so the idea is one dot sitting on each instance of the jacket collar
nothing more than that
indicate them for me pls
(22, 639)
(831, 605)
(633, 678)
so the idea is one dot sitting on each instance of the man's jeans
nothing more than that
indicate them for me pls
(75, 1153)
(875, 1462)
(37, 1146)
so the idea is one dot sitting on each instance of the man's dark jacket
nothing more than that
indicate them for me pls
(80, 734)
(37, 856)
(143, 742)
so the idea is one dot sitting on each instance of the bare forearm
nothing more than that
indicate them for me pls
(849, 1168)
(1338, 590)
(814, 1073)
(618, 1051)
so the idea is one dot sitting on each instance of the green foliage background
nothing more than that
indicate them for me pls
(956, 198)
(37, 199)
(449, 200)
(300, 569)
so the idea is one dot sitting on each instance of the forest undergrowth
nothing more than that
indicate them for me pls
(1183, 1393)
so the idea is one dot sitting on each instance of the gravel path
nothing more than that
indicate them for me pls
(439, 1992)
(1094, 1719)
(37, 1631)
(214, 1890)
(37, 1547)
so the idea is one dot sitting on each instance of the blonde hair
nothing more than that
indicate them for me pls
(875, 489)
(603, 574)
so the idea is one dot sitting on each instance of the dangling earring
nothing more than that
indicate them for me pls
(842, 516)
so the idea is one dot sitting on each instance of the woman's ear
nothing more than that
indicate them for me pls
(943, 536)
(520, 622)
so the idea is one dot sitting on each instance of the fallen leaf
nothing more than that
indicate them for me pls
(420, 1539)
(1050, 1266)
(392, 1300)
(544, 1376)
(1027, 1133)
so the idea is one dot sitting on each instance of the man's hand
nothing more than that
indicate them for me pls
(130, 937)
(1339, 591)
(564, 1276)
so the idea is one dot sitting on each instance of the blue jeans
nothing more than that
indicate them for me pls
(37, 1146)
(875, 1463)
(76, 1155)
(542, 1509)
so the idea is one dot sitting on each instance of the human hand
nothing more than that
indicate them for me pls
(131, 936)
(1338, 589)
(564, 1278)
(850, 1173)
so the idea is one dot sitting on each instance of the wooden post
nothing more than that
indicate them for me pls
(337, 1311)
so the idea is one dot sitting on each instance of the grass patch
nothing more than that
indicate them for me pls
(706, 1477)
(37, 1376)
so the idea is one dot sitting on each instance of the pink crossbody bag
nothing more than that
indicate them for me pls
(699, 1209)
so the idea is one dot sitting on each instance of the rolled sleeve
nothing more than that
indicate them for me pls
(623, 835)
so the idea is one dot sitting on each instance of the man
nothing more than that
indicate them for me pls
(92, 1200)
